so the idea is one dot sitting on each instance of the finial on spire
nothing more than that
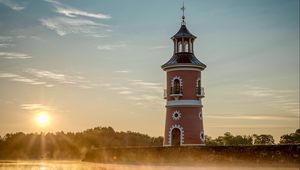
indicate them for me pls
(183, 17)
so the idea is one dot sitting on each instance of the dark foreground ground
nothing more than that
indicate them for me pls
(275, 155)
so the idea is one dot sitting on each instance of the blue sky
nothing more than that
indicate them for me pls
(97, 63)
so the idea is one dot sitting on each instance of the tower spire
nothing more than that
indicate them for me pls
(183, 17)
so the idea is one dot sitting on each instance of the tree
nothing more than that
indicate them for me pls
(263, 139)
(292, 138)
(229, 140)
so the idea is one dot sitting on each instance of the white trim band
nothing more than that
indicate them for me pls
(192, 103)
(184, 68)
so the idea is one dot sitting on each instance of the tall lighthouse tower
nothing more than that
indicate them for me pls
(184, 120)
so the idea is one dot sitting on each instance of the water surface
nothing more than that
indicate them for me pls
(78, 165)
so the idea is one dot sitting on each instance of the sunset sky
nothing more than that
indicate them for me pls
(97, 63)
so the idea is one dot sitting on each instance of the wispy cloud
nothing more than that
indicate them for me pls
(5, 38)
(34, 107)
(78, 81)
(155, 87)
(47, 74)
(12, 55)
(122, 71)
(119, 88)
(159, 47)
(263, 92)
(125, 92)
(251, 117)
(72, 12)
(49, 78)
(6, 45)
(280, 98)
(19, 78)
(63, 26)
(109, 47)
(74, 21)
(12, 5)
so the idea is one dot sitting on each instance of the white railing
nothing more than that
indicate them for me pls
(200, 92)
(165, 93)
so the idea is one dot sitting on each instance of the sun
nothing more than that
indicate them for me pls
(42, 119)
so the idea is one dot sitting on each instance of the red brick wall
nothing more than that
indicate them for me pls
(190, 122)
(189, 78)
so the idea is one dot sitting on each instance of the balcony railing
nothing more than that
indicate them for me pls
(200, 91)
(165, 93)
(176, 91)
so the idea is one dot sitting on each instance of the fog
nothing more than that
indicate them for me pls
(77, 165)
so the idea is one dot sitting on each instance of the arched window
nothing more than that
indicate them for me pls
(186, 46)
(179, 46)
(176, 86)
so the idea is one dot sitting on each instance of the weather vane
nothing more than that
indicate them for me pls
(183, 17)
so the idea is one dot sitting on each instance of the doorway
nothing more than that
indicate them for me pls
(176, 133)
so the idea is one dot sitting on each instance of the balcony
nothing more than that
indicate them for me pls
(176, 91)
(200, 92)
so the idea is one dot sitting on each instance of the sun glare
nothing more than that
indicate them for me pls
(42, 119)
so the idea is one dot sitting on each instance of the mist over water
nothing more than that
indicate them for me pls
(77, 165)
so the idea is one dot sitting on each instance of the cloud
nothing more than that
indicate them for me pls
(18, 78)
(34, 107)
(12, 5)
(125, 92)
(6, 41)
(77, 81)
(159, 47)
(110, 47)
(251, 117)
(281, 98)
(12, 55)
(48, 78)
(134, 98)
(6, 45)
(72, 12)
(47, 74)
(122, 71)
(263, 92)
(63, 26)
(5, 38)
(73, 21)
(155, 87)
(119, 88)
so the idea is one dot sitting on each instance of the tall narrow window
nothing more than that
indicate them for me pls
(176, 86)
(198, 88)
(186, 46)
(179, 46)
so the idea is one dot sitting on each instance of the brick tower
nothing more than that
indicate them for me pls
(184, 120)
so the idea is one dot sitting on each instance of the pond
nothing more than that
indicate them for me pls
(78, 165)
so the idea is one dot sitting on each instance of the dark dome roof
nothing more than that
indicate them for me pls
(184, 58)
(183, 32)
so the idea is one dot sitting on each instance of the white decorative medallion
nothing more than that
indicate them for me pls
(176, 115)
(200, 115)
(202, 136)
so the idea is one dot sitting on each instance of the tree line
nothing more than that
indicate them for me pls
(61, 145)
(264, 139)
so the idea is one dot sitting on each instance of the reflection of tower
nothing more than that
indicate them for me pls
(184, 122)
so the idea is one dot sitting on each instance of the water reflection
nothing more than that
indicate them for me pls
(77, 165)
